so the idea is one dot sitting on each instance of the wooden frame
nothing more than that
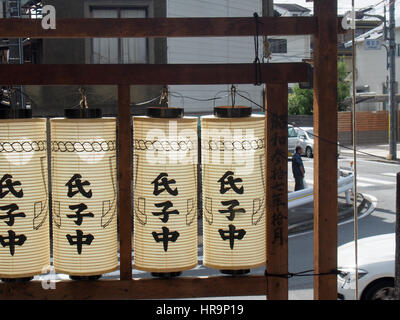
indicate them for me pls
(323, 25)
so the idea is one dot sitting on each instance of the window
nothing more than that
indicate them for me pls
(124, 50)
(278, 45)
(292, 132)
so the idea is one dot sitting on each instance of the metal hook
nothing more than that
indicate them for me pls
(233, 95)
(83, 103)
(164, 99)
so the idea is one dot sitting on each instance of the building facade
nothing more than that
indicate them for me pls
(52, 100)
(372, 69)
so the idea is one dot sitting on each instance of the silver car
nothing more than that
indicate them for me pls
(305, 139)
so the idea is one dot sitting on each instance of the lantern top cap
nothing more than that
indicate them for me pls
(167, 113)
(229, 112)
(81, 113)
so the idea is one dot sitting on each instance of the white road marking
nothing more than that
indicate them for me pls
(375, 181)
(362, 184)
(389, 174)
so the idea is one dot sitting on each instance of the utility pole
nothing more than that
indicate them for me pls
(397, 251)
(268, 8)
(16, 51)
(267, 11)
(392, 84)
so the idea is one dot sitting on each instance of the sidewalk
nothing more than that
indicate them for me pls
(370, 152)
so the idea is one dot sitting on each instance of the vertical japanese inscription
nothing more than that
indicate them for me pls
(162, 183)
(276, 132)
(228, 182)
(9, 214)
(76, 186)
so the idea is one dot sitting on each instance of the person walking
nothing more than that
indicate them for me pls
(298, 169)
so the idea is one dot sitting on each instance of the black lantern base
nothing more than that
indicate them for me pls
(166, 275)
(229, 112)
(86, 278)
(83, 113)
(235, 272)
(168, 113)
(16, 280)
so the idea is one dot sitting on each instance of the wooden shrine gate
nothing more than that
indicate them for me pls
(324, 26)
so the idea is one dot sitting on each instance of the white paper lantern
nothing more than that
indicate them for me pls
(24, 223)
(165, 194)
(233, 162)
(84, 189)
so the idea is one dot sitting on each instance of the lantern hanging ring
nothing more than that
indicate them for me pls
(164, 99)
(83, 103)
(233, 95)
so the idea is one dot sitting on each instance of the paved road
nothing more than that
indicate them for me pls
(374, 178)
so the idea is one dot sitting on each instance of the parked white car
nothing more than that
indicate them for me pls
(292, 139)
(375, 268)
(303, 137)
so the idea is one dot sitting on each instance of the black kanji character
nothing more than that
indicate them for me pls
(10, 215)
(278, 174)
(278, 235)
(78, 214)
(231, 209)
(278, 140)
(277, 199)
(165, 213)
(279, 121)
(279, 156)
(165, 236)
(232, 234)
(227, 179)
(13, 240)
(76, 183)
(162, 180)
(277, 218)
(79, 240)
(6, 182)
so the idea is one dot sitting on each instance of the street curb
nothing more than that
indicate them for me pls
(365, 208)
(371, 158)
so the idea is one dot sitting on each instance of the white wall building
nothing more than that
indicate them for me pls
(228, 49)
(290, 48)
(212, 50)
(371, 67)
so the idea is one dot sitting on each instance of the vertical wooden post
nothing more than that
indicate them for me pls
(125, 181)
(325, 161)
(276, 154)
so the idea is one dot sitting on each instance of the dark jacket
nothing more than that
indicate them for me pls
(297, 162)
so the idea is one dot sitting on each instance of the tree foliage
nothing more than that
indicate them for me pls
(301, 100)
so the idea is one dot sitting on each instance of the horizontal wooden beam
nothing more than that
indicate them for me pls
(159, 27)
(137, 289)
(142, 74)
(156, 27)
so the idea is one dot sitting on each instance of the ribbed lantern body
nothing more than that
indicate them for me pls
(84, 189)
(165, 194)
(233, 184)
(24, 223)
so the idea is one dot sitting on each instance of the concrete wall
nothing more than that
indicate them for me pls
(52, 100)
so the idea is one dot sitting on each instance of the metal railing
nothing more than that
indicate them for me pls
(301, 197)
